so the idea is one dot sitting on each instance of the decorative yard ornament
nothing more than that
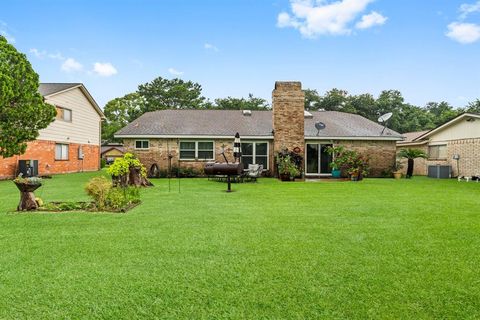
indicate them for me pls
(383, 119)
(237, 153)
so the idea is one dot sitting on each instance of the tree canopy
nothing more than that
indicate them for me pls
(23, 111)
(406, 117)
(163, 93)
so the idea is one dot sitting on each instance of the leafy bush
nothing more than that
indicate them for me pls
(98, 188)
(121, 166)
(349, 161)
(120, 198)
(103, 163)
(286, 166)
(289, 162)
(107, 197)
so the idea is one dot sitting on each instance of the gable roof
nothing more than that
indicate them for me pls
(447, 124)
(50, 89)
(107, 148)
(225, 123)
(47, 89)
(410, 136)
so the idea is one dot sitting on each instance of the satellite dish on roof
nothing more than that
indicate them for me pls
(319, 126)
(384, 118)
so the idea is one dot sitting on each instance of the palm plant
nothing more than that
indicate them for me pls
(411, 155)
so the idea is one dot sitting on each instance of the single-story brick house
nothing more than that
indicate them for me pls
(194, 137)
(71, 143)
(457, 137)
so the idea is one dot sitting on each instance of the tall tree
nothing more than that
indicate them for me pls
(172, 94)
(312, 99)
(473, 107)
(23, 111)
(333, 100)
(119, 112)
(251, 103)
(441, 111)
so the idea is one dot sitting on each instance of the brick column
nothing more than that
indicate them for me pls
(288, 102)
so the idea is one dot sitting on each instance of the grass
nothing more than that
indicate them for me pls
(380, 249)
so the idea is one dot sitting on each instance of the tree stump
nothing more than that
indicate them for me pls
(136, 179)
(27, 198)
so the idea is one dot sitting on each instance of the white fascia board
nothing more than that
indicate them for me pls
(356, 138)
(162, 136)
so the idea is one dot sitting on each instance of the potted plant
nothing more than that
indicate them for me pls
(397, 167)
(287, 169)
(338, 160)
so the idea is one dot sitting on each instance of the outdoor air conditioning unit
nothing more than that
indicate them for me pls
(28, 168)
(440, 172)
(80, 153)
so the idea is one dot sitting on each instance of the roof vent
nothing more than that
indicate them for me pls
(307, 114)
(247, 112)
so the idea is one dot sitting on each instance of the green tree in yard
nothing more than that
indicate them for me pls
(23, 111)
(411, 155)
(442, 112)
(312, 99)
(251, 103)
(473, 107)
(163, 93)
(119, 112)
(333, 100)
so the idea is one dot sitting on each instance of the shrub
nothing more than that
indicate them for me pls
(98, 188)
(119, 198)
(103, 163)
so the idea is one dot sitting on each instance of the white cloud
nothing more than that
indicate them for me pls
(175, 72)
(37, 53)
(210, 46)
(71, 65)
(43, 53)
(56, 56)
(463, 32)
(467, 9)
(314, 18)
(104, 69)
(370, 20)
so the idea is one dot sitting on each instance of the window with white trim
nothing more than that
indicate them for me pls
(61, 151)
(64, 114)
(437, 152)
(197, 150)
(255, 153)
(142, 144)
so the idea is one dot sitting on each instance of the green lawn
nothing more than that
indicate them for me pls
(380, 248)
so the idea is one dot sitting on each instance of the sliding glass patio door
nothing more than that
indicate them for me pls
(317, 159)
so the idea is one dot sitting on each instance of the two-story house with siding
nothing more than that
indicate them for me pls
(71, 143)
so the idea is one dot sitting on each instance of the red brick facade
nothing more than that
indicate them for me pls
(44, 152)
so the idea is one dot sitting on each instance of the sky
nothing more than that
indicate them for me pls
(427, 49)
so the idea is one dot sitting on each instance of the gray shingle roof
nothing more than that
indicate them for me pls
(46, 89)
(259, 124)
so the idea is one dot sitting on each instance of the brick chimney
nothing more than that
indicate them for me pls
(288, 102)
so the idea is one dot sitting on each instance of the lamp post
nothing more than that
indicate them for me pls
(237, 151)
(457, 157)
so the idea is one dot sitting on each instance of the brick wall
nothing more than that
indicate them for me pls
(288, 102)
(381, 154)
(469, 163)
(158, 153)
(420, 164)
(44, 152)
